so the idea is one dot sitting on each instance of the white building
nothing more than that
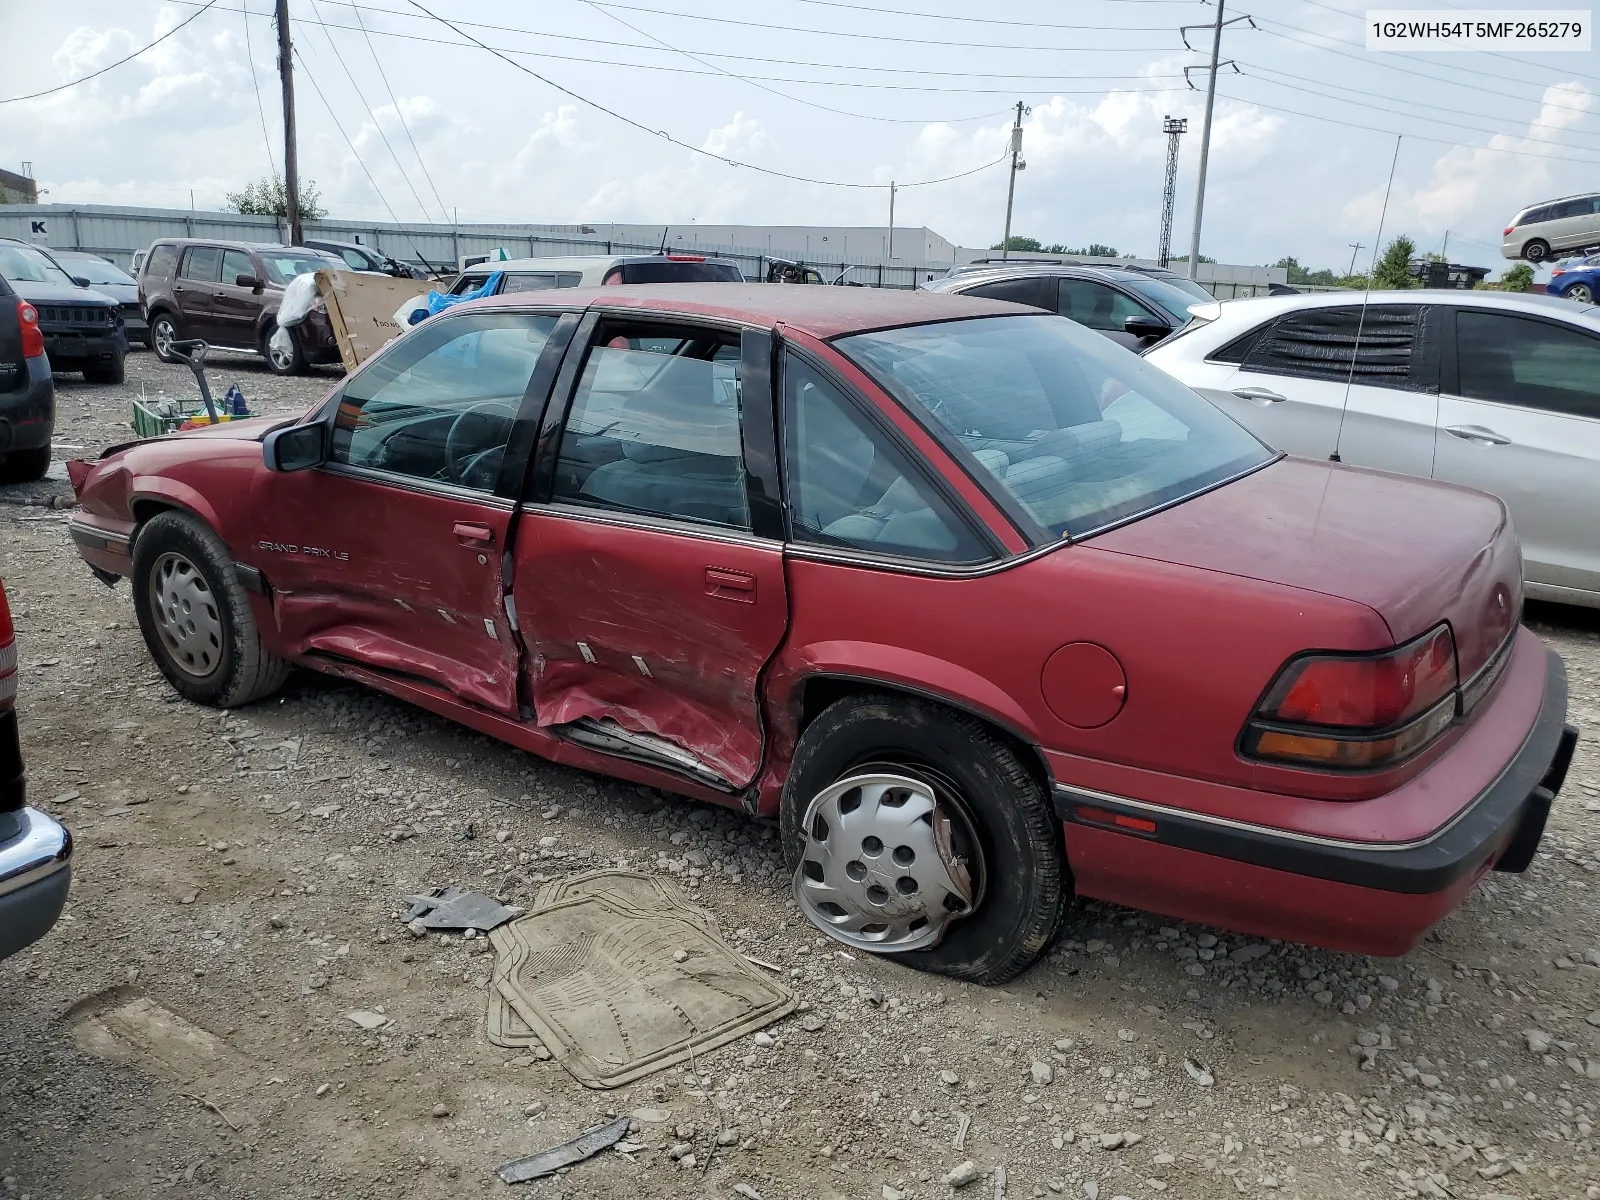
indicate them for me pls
(811, 243)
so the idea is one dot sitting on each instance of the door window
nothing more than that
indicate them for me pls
(1096, 305)
(540, 282)
(1326, 343)
(440, 405)
(1532, 364)
(357, 259)
(203, 263)
(161, 261)
(850, 486)
(654, 428)
(234, 264)
(1033, 290)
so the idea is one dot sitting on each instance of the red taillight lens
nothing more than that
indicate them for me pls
(1358, 711)
(686, 258)
(32, 338)
(8, 655)
(612, 276)
(1509, 228)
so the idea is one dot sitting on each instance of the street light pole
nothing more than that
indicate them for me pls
(891, 220)
(291, 161)
(1011, 187)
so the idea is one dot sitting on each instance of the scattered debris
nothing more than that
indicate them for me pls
(204, 1103)
(1198, 1073)
(999, 1183)
(367, 1020)
(548, 1162)
(452, 908)
(745, 1190)
(963, 1123)
(962, 1174)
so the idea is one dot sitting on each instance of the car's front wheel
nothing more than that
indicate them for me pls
(1536, 251)
(1581, 292)
(163, 332)
(282, 360)
(195, 616)
(918, 831)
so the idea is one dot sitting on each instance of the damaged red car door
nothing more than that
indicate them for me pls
(650, 572)
(388, 555)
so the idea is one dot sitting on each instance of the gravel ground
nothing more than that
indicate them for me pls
(244, 870)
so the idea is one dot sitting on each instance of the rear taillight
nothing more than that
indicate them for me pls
(1509, 228)
(32, 337)
(8, 655)
(686, 258)
(612, 276)
(1558, 271)
(1358, 712)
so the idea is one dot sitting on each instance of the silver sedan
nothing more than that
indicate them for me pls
(1490, 389)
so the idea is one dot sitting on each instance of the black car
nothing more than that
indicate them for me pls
(365, 258)
(104, 276)
(27, 392)
(1133, 306)
(82, 328)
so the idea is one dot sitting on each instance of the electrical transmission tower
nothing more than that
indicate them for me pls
(1174, 128)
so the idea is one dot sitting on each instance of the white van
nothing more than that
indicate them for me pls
(540, 274)
(1554, 228)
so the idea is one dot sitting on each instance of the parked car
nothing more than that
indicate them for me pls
(985, 610)
(104, 276)
(1134, 308)
(1489, 389)
(365, 258)
(1576, 279)
(540, 274)
(1541, 230)
(27, 391)
(35, 851)
(228, 293)
(82, 328)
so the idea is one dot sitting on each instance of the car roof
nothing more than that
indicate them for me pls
(970, 278)
(1249, 308)
(822, 312)
(579, 262)
(232, 244)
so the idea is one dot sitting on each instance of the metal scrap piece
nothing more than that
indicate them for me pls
(457, 909)
(548, 1162)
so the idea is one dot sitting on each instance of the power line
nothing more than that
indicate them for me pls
(900, 12)
(404, 124)
(663, 134)
(334, 117)
(261, 108)
(605, 11)
(113, 66)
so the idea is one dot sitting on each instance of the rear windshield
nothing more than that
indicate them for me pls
(284, 265)
(24, 264)
(664, 270)
(1079, 431)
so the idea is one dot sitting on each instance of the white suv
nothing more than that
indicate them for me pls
(1554, 228)
(540, 274)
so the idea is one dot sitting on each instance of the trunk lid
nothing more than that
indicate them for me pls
(13, 369)
(1415, 551)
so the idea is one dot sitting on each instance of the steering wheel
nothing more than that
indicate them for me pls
(463, 454)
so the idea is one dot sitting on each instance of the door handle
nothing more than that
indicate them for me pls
(469, 533)
(1478, 434)
(731, 585)
(1259, 395)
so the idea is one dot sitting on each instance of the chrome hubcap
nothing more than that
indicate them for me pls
(163, 336)
(890, 861)
(1581, 293)
(186, 615)
(279, 359)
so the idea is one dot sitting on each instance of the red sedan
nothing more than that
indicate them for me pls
(983, 609)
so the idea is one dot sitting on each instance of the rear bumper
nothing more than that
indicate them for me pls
(1366, 897)
(27, 414)
(35, 874)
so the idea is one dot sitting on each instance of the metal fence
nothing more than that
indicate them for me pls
(116, 233)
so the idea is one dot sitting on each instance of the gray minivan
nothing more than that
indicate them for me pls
(1556, 227)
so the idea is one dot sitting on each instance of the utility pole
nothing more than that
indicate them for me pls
(291, 162)
(1445, 252)
(891, 220)
(1355, 249)
(1011, 188)
(1205, 129)
(1174, 128)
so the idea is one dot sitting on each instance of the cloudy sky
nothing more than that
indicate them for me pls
(400, 113)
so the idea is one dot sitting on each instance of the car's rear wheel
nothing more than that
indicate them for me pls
(24, 466)
(195, 616)
(1536, 251)
(279, 361)
(1581, 292)
(918, 831)
(163, 332)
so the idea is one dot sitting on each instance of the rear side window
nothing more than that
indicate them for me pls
(1532, 364)
(541, 281)
(665, 270)
(1035, 291)
(1324, 343)
(161, 261)
(1239, 349)
(203, 263)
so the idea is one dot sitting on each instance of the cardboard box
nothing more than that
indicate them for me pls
(361, 309)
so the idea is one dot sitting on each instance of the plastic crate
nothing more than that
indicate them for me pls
(148, 422)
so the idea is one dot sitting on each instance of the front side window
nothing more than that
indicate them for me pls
(161, 261)
(851, 487)
(654, 428)
(234, 264)
(1098, 306)
(1374, 347)
(357, 260)
(440, 405)
(1079, 432)
(1532, 364)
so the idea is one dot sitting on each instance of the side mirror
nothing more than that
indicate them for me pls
(81, 280)
(1146, 327)
(249, 281)
(293, 448)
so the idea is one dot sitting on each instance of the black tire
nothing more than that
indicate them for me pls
(25, 466)
(114, 371)
(228, 669)
(164, 330)
(294, 364)
(1028, 885)
(1580, 293)
(1536, 251)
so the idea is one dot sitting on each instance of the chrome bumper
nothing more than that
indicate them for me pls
(41, 848)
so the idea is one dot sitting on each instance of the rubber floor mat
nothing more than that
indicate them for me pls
(598, 980)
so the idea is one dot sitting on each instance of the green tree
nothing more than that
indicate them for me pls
(1394, 268)
(268, 197)
(1014, 242)
(1517, 279)
(1092, 250)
